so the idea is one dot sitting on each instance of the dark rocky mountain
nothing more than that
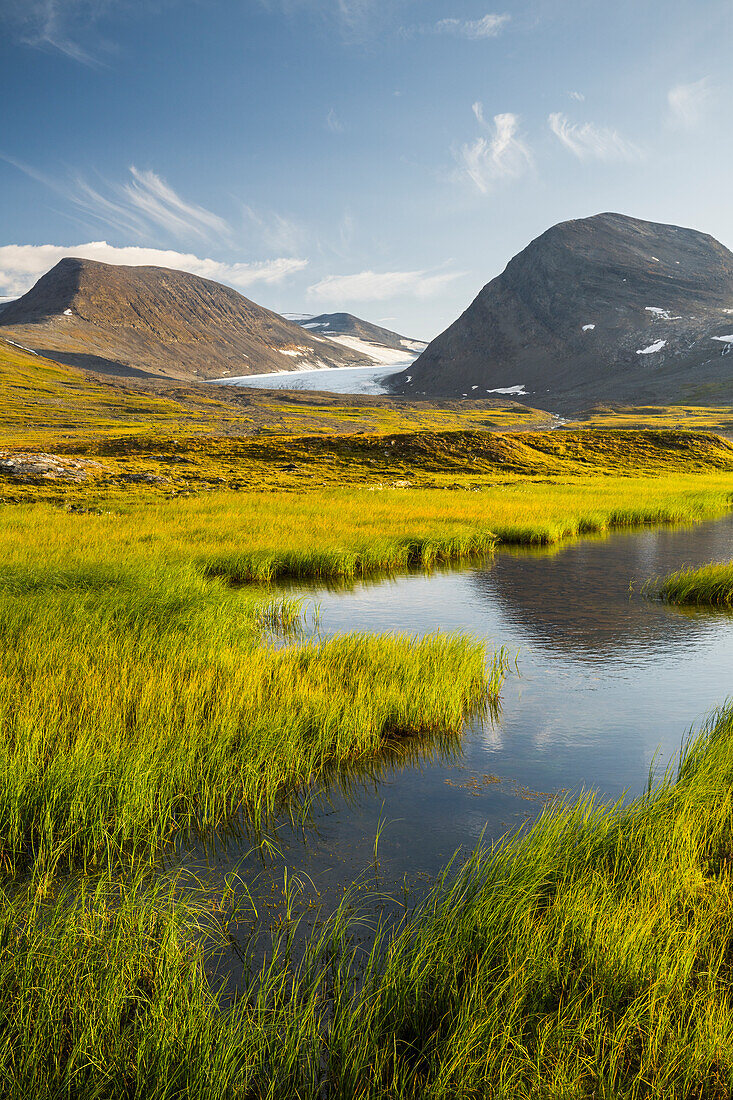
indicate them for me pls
(607, 308)
(160, 322)
(345, 324)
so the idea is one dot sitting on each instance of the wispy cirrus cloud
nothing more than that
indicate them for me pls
(274, 232)
(353, 18)
(376, 286)
(334, 123)
(688, 103)
(488, 26)
(142, 205)
(586, 141)
(157, 202)
(22, 265)
(57, 25)
(499, 154)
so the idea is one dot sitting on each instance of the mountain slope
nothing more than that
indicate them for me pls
(351, 331)
(603, 308)
(161, 322)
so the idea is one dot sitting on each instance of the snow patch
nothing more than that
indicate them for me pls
(510, 389)
(374, 353)
(724, 339)
(656, 346)
(67, 313)
(662, 314)
(588, 328)
(656, 259)
(22, 347)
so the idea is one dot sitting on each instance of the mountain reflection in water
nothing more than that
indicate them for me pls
(608, 681)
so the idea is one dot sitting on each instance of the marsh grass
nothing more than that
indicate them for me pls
(710, 585)
(587, 956)
(129, 712)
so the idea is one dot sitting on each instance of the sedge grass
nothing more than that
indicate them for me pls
(126, 714)
(330, 533)
(588, 956)
(710, 585)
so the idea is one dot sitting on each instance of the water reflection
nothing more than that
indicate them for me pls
(608, 682)
(578, 601)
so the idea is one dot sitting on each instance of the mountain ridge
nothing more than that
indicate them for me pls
(607, 308)
(159, 322)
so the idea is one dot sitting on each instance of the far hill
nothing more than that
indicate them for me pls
(607, 308)
(155, 321)
(358, 334)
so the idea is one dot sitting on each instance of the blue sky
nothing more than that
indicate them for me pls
(385, 157)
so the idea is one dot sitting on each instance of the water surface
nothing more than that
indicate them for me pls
(607, 682)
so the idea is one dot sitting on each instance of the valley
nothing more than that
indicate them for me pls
(329, 716)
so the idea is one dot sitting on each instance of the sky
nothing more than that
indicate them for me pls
(381, 157)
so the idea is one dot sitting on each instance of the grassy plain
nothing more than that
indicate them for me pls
(47, 405)
(712, 418)
(141, 695)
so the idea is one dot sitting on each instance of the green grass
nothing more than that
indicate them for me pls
(587, 957)
(45, 404)
(342, 532)
(137, 698)
(710, 585)
(133, 706)
(711, 417)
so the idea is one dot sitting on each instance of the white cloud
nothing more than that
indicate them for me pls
(373, 286)
(57, 25)
(334, 123)
(142, 205)
(161, 205)
(589, 142)
(488, 26)
(577, 96)
(500, 155)
(688, 102)
(61, 25)
(22, 265)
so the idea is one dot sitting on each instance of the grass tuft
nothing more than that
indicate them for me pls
(710, 585)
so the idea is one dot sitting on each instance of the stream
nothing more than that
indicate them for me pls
(607, 683)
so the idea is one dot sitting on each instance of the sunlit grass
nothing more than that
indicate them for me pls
(710, 584)
(587, 957)
(130, 711)
(333, 532)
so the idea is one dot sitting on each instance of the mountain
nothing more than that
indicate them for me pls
(383, 345)
(155, 321)
(607, 308)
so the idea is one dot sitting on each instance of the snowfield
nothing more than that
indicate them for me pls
(329, 380)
